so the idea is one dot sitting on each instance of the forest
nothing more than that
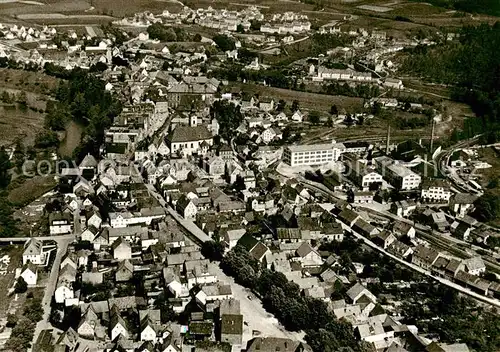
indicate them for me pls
(487, 7)
(471, 66)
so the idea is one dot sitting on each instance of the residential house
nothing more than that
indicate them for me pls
(29, 273)
(89, 233)
(462, 203)
(186, 208)
(400, 229)
(364, 228)
(33, 252)
(359, 294)
(332, 231)
(474, 266)
(125, 271)
(214, 166)
(308, 256)
(399, 249)
(60, 223)
(121, 249)
(424, 257)
(64, 286)
(231, 237)
(384, 239)
(348, 217)
(259, 251)
(117, 325)
(435, 191)
(213, 292)
(231, 329)
(272, 344)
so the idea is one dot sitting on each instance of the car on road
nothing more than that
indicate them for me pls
(249, 297)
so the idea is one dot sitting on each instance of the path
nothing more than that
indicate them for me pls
(189, 225)
(254, 314)
(62, 246)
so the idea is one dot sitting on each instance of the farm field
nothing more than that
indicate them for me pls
(30, 189)
(24, 122)
(307, 101)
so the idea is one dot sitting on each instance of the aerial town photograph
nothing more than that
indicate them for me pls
(250, 175)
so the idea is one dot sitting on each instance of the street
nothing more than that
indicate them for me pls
(62, 246)
(255, 315)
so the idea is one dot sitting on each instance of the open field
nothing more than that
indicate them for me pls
(35, 82)
(30, 189)
(307, 101)
(24, 123)
(17, 123)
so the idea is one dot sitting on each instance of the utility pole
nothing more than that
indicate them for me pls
(432, 135)
(388, 140)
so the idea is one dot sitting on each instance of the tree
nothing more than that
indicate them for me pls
(487, 206)
(21, 285)
(255, 25)
(228, 116)
(281, 105)
(334, 110)
(11, 320)
(4, 168)
(224, 42)
(19, 154)
(295, 105)
(213, 250)
(329, 122)
(160, 32)
(314, 117)
(240, 28)
(197, 37)
(349, 121)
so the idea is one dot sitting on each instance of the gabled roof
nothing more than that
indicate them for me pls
(304, 249)
(33, 247)
(258, 250)
(189, 134)
(474, 263)
(120, 241)
(126, 265)
(88, 162)
(232, 324)
(425, 254)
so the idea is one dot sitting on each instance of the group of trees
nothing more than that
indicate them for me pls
(452, 316)
(489, 7)
(472, 66)
(224, 42)
(487, 206)
(229, 117)
(322, 42)
(24, 327)
(166, 34)
(366, 91)
(84, 98)
(283, 299)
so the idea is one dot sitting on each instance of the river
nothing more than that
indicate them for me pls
(73, 135)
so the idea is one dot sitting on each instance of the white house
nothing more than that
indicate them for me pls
(231, 237)
(436, 191)
(186, 208)
(29, 273)
(60, 223)
(33, 252)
